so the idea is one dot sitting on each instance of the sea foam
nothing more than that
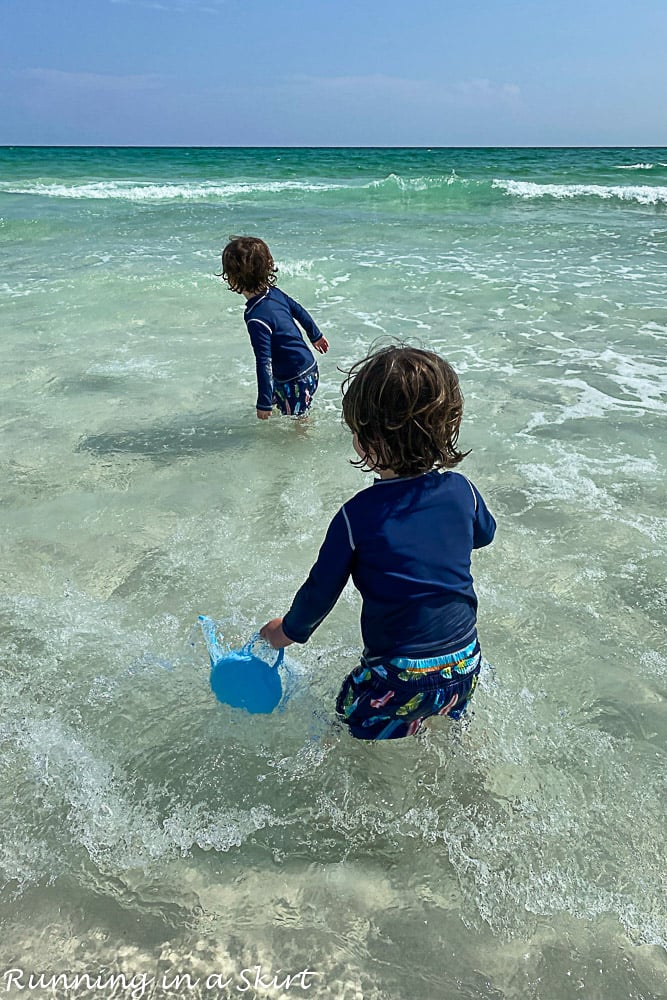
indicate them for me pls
(642, 194)
(128, 191)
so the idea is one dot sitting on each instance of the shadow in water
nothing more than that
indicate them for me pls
(184, 437)
(85, 383)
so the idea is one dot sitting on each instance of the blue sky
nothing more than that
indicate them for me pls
(333, 72)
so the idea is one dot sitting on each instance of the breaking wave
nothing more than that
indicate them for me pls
(432, 188)
(640, 194)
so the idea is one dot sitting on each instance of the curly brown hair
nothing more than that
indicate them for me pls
(247, 265)
(405, 406)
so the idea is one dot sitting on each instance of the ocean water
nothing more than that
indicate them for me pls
(149, 832)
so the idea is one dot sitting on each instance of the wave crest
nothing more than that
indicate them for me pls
(641, 194)
(639, 166)
(433, 188)
(410, 184)
(139, 191)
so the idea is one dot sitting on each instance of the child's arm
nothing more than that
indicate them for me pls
(484, 527)
(315, 599)
(303, 317)
(260, 338)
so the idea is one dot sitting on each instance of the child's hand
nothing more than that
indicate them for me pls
(321, 345)
(263, 414)
(273, 633)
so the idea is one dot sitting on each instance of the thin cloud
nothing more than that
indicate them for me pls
(377, 84)
(105, 82)
(477, 92)
(176, 6)
(487, 92)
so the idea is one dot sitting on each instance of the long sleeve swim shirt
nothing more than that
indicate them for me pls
(407, 544)
(281, 353)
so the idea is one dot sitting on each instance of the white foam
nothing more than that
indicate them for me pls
(592, 402)
(656, 330)
(131, 191)
(408, 184)
(15, 293)
(188, 826)
(653, 662)
(645, 380)
(643, 195)
(295, 268)
(549, 483)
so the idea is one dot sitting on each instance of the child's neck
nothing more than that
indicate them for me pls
(390, 474)
(251, 295)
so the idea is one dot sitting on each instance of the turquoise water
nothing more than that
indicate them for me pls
(148, 830)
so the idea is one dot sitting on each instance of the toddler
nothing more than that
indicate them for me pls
(407, 542)
(287, 372)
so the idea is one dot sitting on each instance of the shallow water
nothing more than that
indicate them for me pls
(148, 830)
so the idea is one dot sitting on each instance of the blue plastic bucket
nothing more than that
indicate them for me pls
(244, 678)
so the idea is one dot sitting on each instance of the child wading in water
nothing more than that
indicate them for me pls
(407, 542)
(287, 372)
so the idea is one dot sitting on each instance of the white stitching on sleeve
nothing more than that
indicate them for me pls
(349, 529)
(253, 320)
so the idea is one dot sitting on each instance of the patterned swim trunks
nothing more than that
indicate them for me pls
(388, 701)
(293, 399)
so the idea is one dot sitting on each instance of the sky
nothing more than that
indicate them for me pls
(333, 72)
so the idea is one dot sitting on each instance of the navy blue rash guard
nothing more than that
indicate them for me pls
(407, 544)
(280, 350)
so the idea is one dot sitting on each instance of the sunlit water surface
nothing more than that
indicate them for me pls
(148, 831)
